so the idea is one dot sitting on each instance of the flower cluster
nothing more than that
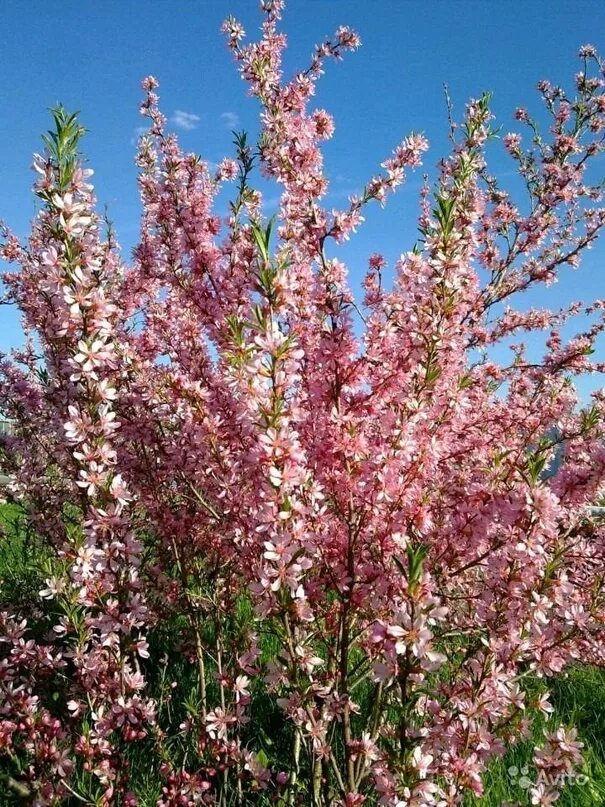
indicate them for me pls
(298, 549)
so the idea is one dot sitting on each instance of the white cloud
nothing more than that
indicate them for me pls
(139, 130)
(230, 119)
(185, 120)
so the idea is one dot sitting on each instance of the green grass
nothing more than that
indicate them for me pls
(579, 700)
(578, 697)
(21, 576)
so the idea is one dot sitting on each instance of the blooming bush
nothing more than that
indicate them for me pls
(299, 550)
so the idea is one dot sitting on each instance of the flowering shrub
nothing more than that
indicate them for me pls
(299, 550)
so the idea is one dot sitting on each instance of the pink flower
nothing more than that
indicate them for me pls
(217, 723)
(221, 452)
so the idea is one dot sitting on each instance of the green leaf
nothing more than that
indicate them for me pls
(416, 557)
(261, 240)
(535, 466)
(590, 418)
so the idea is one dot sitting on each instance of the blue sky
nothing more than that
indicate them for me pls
(91, 57)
